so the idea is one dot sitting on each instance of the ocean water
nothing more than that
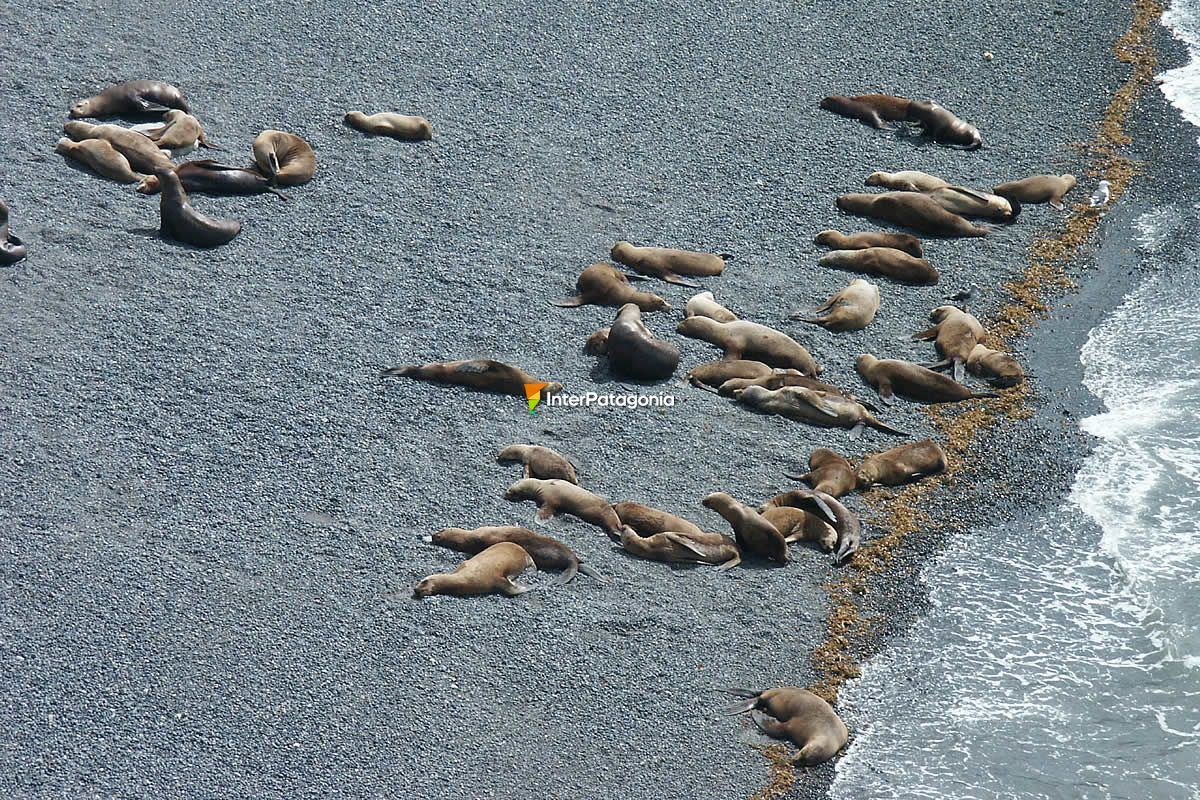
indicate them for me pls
(1062, 659)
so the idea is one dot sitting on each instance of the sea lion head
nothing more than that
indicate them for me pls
(514, 452)
(864, 363)
(523, 489)
(717, 500)
(876, 179)
(78, 130)
(621, 248)
(826, 238)
(81, 109)
(355, 117)
(698, 327)
(63, 145)
(752, 394)
(942, 313)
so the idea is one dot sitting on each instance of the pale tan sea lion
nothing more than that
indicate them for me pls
(902, 464)
(548, 553)
(141, 153)
(884, 261)
(906, 181)
(686, 546)
(755, 535)
(560, 497)
(667, 263)
(179, 220)
(799, 715)
(398, 126)
(828, 507)
(604, 285)
(597, 343)
(101, 157)
(955, 334)
(131, 97)
(489, 572)
(891, 376)
(712, 374)
(912, 210)
(797, 525)
(634, 352)
(972, 203)
(997, 368)
(777, 380)
(477, 373)
(944, 127)
(284, 158)
(179, 132)
(749, 339)
(540, 462)
(822, 409)
(646, 520)
(828, 472)
(705, 305)
(836, 240)
(850, 309)
(1038, 189)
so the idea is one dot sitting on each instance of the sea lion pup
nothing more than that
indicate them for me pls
(669, 264)
(179, 132)
(1038, 189)
(799, 715)
(477, 373)
(712, 374)
(836, 240)
(797, 525)
(604, 285)
(823, 409)
(955, 334)
(489, 572)
(647, 521)
(101, 157)
(971, 203)
(906, 181)
(850, 309)
(548, 554)
(182, 222)
(634, 352)
(141, 153)
(560, 497)
(912, 210)
(755, 535)
(828, 472)
(700, 547)
(997, 368)
(844, 521)
(209, 177)
(12, 249)
(705, 305)
(741, 338)
(847, 107)
(892, 376)
(540, 462)
(597, 343)
(284, 158)
(944, 127)
(883, 261)
(405, 127)
(902, 464)
(131, 97)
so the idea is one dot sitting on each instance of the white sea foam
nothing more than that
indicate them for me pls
(1182, 84)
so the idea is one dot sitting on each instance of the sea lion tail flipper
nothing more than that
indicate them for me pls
(513, 589)
(730, 564)
(810, 320)
(857, 430)
(278, 193)
(591, 573)
(959, 370)
(936, 364)
(632, 276)
(802, 478)
(886, 394)
(396, 372)
(567, 302)
(671, 277)
(1058, 205)
(738, 691)
(206, 144)
(544, 513)
(567, 575)
(876, 424)
(846, 547)
(928, 334)
(771, 727)
(701, 385)
(740, 707)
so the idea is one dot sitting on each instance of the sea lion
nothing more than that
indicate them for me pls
(799, 715)
(887, 262)
(477, 373)
(12, 249)
(971, 203)
(560, 497)
(597, 343)
(712, 374)
(836, 240)
(955, 334)
(851, 109)
(206, 176)
(180, 221)
(850, 309)
(548, 553)
(906, 181)
(179, 132)
(141, 153)
(131, 97)
(797, 525)
(913, 381)
(887, 106)
(755, 535)
(1038, 189)
(647, 521)
(828, 507)
(284, 158)
(687, 546)
(705, 305)
(489, 572)
(604, 285)
(741, 338)
(823, 409)
(540, 462)
(634, 352)
(910, 209)
(902, 464)
(944, 127)
(398, 126)
(777, 380)
(828, 472)
(997, 368)
(101, 157)
(669, 264)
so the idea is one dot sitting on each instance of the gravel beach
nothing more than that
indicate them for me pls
(212, 509)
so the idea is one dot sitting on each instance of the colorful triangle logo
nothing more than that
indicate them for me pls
(533, 394)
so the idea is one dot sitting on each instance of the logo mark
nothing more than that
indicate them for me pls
(533, 394)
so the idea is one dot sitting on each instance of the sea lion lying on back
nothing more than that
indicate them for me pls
(604, 285)
(668, 263)
(540, 462)
(799, 715)
(913, 381)
(906, 181)
(997, 368)
(1038, 189)
(490, 572)
(955, 334)
(131, 97)
(822, 409)
(910, 209)
(828, 472)
(559, 497)
(635, 352)
(705, 305)
(209, 177)
(179, 132)
(902, 464)
(836, 240)
(478, 373)
(883, 261)
(850, 309)
(971, 203)
(547, 552)
(741, 339)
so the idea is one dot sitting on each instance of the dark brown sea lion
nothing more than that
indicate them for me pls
(902, 464)
(851, 109)
(955, 334)
(490, 572)
(548, 553)
(647, 521)
(12, 249)
(1038, 189)
(850, 309)
(634, 352)
(910, 209)
(284, 158)
(208, 177)
(705, 305)
(755, 535)
(997, 368)
(604, 285)
(131, 97)
(712, 374)
(181, 221)
(836, 240)
(972, 203)
(797, 525)
(906, 181)
(822, 409)
(143, 155)
(477, 373)
(887, 106)
(540, 462)
(891, 376)
(943, 127)
(398, 126)
(844, 521)
(883, 261)
(749, 339)
(99, 155)
(560, 497)
(799, 715)
(686, 546)
(829, 472)
(668, 263)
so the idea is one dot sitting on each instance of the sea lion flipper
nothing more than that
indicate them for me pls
(928, 334)
(771, 727)
(1058, 205)
(278, 193)
(959, 370)
(730, 564)
(151, 108)
(632, 276)
(802, 478)
(740, 707)
(982, 395)
(825, 408)
(738, 691)
(686, 543)
(876, 424)
(567, 575)
(824, 508)
(704, 386)
(857, 430)
(513, 589)
(544, 514)
(671, 277)
(971, 193)
(396, 372)
(568, 302)
(591, 573)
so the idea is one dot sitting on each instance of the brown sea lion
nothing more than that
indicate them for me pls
(955, 334)
(597, 343)
(284, 158)
(101, 157)
(1038, 189)
(604, 285)
(712, 374)
(749, 339)
(851, 109)
(705, 305)
(828, 472)
(477, 373)
(489, 572)
(891, 376)
(836, 240)
(797, 525)
(647, 521)
(902, 464)
(131, 97)
(686, 546)
(179, 132)
(997, 368)
(888, 106)
(398, 126)
(205, 176)
(540, 462)
(12, 249)
(906, 181)
(822, 409)
(798, 715)
(755, 535)
(667, 263)
(634, 352)
(850, 309)
(910, 209)
(548, 553)
(560, 497)
(180, 221)
(141, 153)
(828, 507)
(883, 261)
(777, 380)
(944, 127)
(972, 203)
